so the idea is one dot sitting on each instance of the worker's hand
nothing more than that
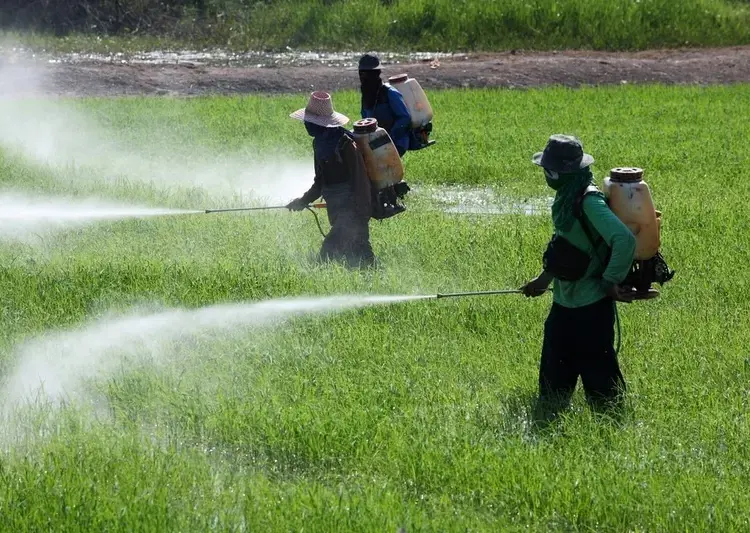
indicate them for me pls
(298, 204)
(535, 287)
(620, 293)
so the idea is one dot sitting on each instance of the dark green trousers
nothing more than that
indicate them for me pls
(579, 342)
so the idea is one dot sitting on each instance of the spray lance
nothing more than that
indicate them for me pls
(309, 207)
(262, 208)
(477, 293)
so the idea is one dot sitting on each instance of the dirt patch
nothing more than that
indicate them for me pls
(514, 69)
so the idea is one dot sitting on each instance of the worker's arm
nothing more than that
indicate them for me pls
(538, 285)
(616, 234)
(313, 193)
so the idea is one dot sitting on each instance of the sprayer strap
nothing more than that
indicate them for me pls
(580, 214)
(380, 141)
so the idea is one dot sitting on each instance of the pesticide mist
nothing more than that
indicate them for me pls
(58, 136)
(54, 367)
(23, 216)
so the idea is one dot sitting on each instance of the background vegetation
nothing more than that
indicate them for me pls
(452, 25)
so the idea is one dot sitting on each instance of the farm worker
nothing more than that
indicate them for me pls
(384, 103)
(593, 250)
(341, 178)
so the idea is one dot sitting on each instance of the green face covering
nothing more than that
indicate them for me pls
(555, 180)
(568, 187)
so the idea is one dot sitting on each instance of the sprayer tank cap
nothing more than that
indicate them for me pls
(366, 125)
(400, 78)
(626, 174)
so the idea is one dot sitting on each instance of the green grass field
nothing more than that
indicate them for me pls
(400, 25)
(414, 415)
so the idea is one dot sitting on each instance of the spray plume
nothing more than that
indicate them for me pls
(53, 366)
(60, 136)
(23, 216)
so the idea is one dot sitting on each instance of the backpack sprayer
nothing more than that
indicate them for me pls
(629, 197)
(419, 108)
(382, 160)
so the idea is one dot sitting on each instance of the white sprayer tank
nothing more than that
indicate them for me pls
(629, 198)
(414, 98)
(381, 157)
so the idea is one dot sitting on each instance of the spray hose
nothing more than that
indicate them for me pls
(619, 332)
(317, 220)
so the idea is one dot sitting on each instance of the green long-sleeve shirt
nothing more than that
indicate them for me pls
(593, 286)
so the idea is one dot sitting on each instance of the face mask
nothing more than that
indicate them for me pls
(369, 77)
(314, 129)
(553, 179)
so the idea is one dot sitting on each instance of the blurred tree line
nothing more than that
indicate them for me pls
(111, 16)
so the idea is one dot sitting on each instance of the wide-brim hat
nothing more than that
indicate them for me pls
(320, 111)
(563, 153)
(369, 62)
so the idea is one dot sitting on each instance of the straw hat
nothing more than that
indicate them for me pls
(320, 111)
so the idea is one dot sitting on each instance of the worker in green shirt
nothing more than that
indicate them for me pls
(588, 258)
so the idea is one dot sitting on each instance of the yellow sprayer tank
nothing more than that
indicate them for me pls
(383, 164)
(629, 198)
(414, 98)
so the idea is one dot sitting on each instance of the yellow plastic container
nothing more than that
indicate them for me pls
(415, 99)
(630, 199)
(383, 164)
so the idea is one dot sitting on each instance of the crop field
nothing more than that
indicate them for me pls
(180, 394)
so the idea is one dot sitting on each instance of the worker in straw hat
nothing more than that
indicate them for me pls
(384, 103)
(588, 258)
(341, 179)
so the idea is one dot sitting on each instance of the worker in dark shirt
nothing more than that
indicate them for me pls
(341, 179)
(384, 103)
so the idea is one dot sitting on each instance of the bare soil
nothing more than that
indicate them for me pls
(513, 69)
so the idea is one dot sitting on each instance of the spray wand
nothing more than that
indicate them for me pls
(309, 207)
(316, 206)
(478, 293)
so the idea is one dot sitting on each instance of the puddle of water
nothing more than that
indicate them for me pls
(509, 209)
(459, 199)
(218, 57)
